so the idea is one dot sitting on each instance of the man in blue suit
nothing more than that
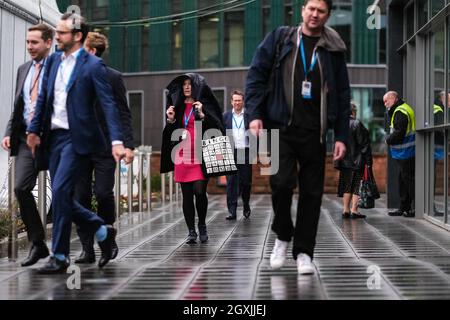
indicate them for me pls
(66, 123)
(236, 123)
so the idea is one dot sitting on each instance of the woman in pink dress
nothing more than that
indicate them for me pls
(190, 103)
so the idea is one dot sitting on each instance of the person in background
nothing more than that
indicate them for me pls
(190, 100)
(236, 122)
(401, 140)
(102, 165)
(28, 87)
(351, 168)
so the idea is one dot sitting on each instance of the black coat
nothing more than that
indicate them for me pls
(211, 108)
(359, 152)
(120, 97)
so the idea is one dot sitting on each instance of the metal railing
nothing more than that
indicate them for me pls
(139, 172)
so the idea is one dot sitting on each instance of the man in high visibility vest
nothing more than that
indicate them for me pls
(401, 140)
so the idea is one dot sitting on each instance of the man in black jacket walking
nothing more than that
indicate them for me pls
(103, 164)
(306, 72)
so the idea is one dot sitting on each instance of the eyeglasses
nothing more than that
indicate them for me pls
(59, 32)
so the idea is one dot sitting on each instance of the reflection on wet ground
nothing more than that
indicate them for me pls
(380, 258)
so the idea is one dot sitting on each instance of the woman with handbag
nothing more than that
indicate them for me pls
(359, 154)
(190, 103)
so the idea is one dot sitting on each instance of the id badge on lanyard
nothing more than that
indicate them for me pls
(186, 121)
(307, 85)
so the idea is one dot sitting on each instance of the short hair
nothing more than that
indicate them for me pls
(391, 94)
(354, 108)
(237, 92)
(47, 32)
(78, 24)
(98, 41)
(328, 2)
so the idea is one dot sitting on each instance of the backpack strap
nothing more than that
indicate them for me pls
(285, 34)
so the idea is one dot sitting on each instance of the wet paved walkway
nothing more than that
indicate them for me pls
(155, 263)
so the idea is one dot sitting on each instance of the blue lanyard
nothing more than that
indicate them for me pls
(313, 62)
(186, 120)
(235, 123)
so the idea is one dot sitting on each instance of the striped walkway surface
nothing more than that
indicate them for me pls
(381, 257)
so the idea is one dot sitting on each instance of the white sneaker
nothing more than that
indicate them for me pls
(304, 264)
(278, 256)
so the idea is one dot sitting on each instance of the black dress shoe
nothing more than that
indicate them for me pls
(36, 252)
(396, 213)
(106, 246)
(115, 250)
(346, 215)
(247, 212)
(54, 266)
(192, 237)
(86, 257)
(203, 233)
(231, 217)
(357, 215)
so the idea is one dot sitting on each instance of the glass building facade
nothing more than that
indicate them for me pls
(158, 37)
(419, 68)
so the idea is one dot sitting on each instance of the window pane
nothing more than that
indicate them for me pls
(145, 48)
(176, 36)
(437, 5)
(266, 17)
(422, 11)
(208, 42)
(234, 39)
(288, 13)
(341, 21)
(437, 67)
(437, 143)
(409, 22)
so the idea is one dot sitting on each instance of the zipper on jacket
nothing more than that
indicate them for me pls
(322, 104)
(293, 79)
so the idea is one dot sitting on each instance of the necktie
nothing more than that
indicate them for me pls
(34, 90)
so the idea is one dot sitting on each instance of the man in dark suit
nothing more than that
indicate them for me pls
(102, 164)
(28, 85)
(66, 119)
(236, 123)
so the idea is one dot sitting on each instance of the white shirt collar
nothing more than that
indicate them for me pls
(241, 114)
(74, 55)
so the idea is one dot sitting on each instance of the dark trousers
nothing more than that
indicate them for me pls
(25, 181)
(104, 166)
(65, 167)
(240, 184)
(303, 149)
(406, 183)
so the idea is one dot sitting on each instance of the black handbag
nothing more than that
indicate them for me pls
(368, 191)
(218, 157)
